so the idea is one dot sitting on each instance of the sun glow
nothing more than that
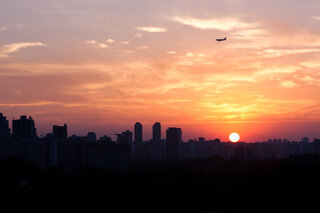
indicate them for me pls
(234, 137)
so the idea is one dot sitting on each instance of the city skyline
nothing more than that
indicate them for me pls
(74, 153)
(103, 65)
(136, 132)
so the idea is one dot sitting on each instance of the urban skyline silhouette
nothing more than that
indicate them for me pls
(58, 149)
(137, 128)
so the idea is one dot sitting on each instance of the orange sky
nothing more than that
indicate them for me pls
(102, 65)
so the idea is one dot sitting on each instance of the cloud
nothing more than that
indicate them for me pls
(311, 64)
(184, 63)
(223, 24)
(142, 48)
(277, 70)
(316, 17)
(96, 44)
(249, 34)
(91, 42)
(151, 29)
(15, 47)
(3, 28)
(125, 42)
(102, 46)
(110, 41)
(171, 52)
(288, 84)
(128, 51)
(138, 35)
(270, 53)
(310, 80)
(37, 103)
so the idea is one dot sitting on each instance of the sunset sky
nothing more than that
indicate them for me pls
(102, 65)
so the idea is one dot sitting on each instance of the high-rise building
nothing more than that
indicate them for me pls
(137, 136)
(202, 140)
(105, 139)
(92, 137)
(305, 140)
(173, 140)
(124, 138)
(60, 132)
(156, 132)
(4, 128)
(24, 128)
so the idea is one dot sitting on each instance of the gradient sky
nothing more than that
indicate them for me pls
(102, 65)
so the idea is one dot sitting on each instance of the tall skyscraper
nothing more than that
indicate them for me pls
(137, 136)
(156, 132)
(4, 128)
(24, 128)
(60, 132)
(173, 140)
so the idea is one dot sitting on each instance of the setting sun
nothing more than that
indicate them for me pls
(234, 137)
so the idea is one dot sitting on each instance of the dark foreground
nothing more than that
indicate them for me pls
(212, 185)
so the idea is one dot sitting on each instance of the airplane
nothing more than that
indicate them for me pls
(219, 39)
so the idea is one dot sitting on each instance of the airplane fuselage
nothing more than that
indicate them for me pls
(221, 39)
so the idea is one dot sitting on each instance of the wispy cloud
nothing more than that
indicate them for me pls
(270, 53)
(223, 24)
(15, 47)
(151, 29)
(316, 17)
(102, 46)
(171, 52)
(125, 42)
(138, 35)
(128, 51)
(3, 28)
(249, 34)
(91, 42)
(38, 103)
(308, 79)
(96, 44)
(311, 64)
(288, 84)
(142, 48)
(277, 70)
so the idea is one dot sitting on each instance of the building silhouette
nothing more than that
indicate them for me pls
(137, 136)
(76, 153)
(4, 128)
(105, 139)
(124, 137)
(24, 128)
(156, 132)
(173, 136)
(316, 145)
(60, 132)
(92, 137)
(305, 140)
(201, 139)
